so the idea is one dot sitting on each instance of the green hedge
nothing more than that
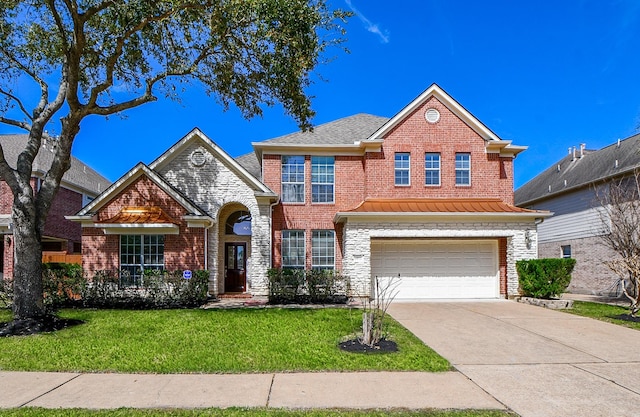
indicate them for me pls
(65, 285)
(289, 286)
(544, 278)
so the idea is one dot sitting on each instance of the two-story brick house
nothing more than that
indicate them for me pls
(427, 195)
(80, 184)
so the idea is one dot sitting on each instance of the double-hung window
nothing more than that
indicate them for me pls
(293, 249)
(463, 169)
(323, 249)
(139, 253)
(293, 179)
(432, 169)
(322, 179)
(402, 168)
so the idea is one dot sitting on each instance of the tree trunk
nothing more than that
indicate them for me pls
(27, 275)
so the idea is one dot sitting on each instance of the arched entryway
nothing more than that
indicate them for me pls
(235, 242)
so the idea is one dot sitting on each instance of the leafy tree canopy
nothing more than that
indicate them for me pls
(102, 57)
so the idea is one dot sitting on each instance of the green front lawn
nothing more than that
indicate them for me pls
(210, 341)
(604, 312)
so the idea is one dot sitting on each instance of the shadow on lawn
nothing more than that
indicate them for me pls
(626, 317)
(34, 326)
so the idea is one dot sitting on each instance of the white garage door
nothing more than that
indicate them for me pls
(438, 268)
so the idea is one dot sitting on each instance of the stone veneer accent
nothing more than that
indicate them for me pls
(357, 244)
(219, 191)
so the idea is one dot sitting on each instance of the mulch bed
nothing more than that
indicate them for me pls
(34, 326)
(354, 346)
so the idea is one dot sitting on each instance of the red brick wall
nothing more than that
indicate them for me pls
(307, 216)
(372, 176)
(491, 176)
(66, 203)
(502, 264)
(182, 251)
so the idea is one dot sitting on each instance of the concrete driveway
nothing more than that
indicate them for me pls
(538, 362)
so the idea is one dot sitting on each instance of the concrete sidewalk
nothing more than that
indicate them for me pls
(363, 390)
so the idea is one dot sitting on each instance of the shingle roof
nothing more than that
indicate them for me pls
(250, 162)
(572, 173)
(437, 205)
(79, 174)
(343, 131)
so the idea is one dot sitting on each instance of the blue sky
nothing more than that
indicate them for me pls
(545, 74)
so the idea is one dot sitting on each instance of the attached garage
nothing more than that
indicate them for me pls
(436, 268)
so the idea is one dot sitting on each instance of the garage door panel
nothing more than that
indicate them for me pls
(438, 269)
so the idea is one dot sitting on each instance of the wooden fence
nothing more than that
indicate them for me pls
(62, 257)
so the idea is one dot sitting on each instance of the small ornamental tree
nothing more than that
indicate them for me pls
(544, 278)
(618, 202)
(102, 57)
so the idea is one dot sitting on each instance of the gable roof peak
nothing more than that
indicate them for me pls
(456, 108)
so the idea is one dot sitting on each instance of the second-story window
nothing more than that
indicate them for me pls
(402, 168)
(463, 169)
(293, 179)
(432, 169)
(322, 179)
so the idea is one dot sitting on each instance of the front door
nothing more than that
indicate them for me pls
(235, 266)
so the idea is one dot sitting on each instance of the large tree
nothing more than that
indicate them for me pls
(102, 57)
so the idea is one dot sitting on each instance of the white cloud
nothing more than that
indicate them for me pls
(370, 26)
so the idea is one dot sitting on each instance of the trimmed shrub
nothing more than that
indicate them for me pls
(158, 289)
(544, 278)
(297, 286)
(62, 284)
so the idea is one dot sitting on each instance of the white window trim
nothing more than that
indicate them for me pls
(333, 265)
(463, 169)
(333, 184)
(304, 247)
(396, 169)
(439, 169)
(282, 183)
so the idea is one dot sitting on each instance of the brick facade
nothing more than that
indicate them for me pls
(590, 275)
(363, 169)
(371, 175)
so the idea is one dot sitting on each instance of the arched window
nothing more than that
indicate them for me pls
(239, 223)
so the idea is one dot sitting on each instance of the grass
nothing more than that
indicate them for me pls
(210, 341)
(242, 412)
(604, 312)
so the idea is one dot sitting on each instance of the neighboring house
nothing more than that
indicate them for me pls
(427, 195)
(80, 184)
(568, 189)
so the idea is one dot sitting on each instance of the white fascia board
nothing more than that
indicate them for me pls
(218, 152)
(408, 217)
(198, 221)
(455, 107)
(141, 228)
(86, 221)
(504, 148)
(317, 149)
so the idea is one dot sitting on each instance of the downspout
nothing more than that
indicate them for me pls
(271, 206)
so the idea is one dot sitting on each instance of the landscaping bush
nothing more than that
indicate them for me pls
(62, 284)
(544, 278)
(297, 286)
(158, 289)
